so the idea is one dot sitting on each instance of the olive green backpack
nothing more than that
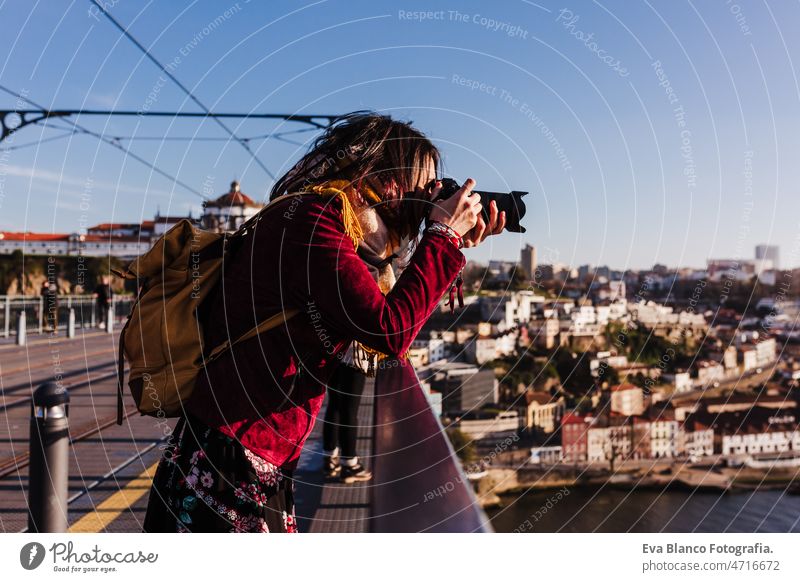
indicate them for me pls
(162, 339)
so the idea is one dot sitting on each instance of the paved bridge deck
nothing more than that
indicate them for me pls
(111, 466)
(327, 505)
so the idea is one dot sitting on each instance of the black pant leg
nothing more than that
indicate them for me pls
(352, 387)
(330, 424)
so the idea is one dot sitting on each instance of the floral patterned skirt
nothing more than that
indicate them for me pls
(208, 482)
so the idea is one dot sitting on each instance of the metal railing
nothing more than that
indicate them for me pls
(419, 485)
(35, 308)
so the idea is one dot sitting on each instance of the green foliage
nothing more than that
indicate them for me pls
(583, 405)
(576, 377)
(607, 375)
(84, 271)
(519, 279)
(463, 445)
(474, 275)
(524, 370)
(11, 268)
(637, 342)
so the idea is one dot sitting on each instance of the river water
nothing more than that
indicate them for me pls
(604, 509)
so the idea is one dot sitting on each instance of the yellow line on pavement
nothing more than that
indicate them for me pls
(110, 509)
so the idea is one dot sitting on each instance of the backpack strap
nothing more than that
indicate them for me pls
(270, 322)
(253, 220)
(121, 371)
(265, 325)
(121, 359)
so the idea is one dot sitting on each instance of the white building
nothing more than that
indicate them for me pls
(521, 307)
(582, 322)
(121, 240)
(726, 357)
(681, 381)
(478, 427)
(228, 212)
(546, 455)
(611, 442)
(544, 332)
(506, 344)
(433, 349)
(606, 359)
(766, 352)
(730, 269)
(760, 442)
(652, 314)
(481, 350)
(765, 348)
(543, 411)
(617, 311)
(129, 240)
(583, 315)
(697, 443)
(749, 358)
(664, 438)
(709, 372)
(627, 399)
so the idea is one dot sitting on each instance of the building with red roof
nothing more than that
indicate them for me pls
(228, 212)
(127, 240)
(575, 436)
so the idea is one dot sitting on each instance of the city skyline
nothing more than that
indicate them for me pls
(661, 158)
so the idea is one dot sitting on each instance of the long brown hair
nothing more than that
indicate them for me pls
(365, 146)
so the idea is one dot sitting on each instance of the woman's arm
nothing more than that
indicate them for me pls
(329, 275)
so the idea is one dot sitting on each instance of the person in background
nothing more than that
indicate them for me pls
(340, 428)
(340, 425)
(49, 293)
(103, 294)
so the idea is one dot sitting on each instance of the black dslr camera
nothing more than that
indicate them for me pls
(511, 202)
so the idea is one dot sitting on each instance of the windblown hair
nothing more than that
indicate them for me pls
(364, 146)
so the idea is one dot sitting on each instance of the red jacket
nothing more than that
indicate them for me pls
(268, 390)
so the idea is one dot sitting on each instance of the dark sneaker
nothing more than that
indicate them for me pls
(355, 474)
(330, 466)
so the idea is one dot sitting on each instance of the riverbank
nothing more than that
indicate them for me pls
(587, 508)
(502, 482)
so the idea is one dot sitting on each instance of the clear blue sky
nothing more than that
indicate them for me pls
(585, 124)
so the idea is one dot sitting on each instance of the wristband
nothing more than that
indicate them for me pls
(442, 229)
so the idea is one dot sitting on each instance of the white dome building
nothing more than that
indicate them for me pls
(229, 211)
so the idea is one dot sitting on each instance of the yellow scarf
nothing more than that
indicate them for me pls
(352, 228)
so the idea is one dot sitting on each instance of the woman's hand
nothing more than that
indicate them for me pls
(481, 230)
(461, 211)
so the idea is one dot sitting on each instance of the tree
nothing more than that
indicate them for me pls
(474, 276)
(607, 375)
(574, 371)
(519, 279)
(463, 445)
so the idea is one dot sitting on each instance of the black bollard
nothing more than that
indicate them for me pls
(49, 465)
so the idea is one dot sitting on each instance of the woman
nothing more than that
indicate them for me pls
(229, 465)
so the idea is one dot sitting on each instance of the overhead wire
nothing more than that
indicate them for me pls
(81, 129)
(185, 89)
